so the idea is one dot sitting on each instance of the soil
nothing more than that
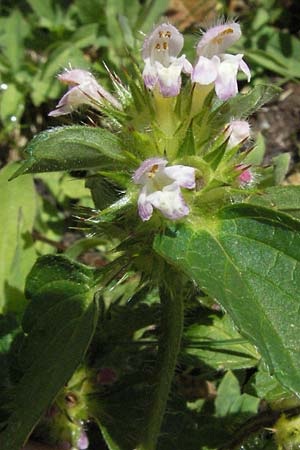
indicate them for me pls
(279, 123)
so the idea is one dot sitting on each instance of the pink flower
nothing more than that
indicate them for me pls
(215, 66)
(162, 67)
(83, 89)
(161, 188)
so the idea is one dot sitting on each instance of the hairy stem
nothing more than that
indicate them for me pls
(169, 346)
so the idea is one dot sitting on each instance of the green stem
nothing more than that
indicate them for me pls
(164, 107)
(169, 346)
(200, 93)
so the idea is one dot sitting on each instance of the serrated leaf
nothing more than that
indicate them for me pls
(72, 148)
(248, 260)
(243, 105)
(59, 324)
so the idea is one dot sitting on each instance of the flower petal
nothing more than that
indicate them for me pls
(145, 168)
(244, 68)
(170, 202)
(206, 70)
(226, 83)
(164, 41)
(169, 79)
(187, 67)
(75, 76)
(144, 205)
(150, 74)
(69, 102)
(183, 175)
(217, 39)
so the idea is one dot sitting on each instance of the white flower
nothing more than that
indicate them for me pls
(84, 89)
(161, 188)
(162, 66)
(215, 66)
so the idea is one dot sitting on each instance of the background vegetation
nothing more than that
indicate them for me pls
(225, 378)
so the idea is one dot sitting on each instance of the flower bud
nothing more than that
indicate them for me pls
(239, 131)
(246, 176)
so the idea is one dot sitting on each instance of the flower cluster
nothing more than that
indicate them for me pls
(163, 67)
(162, 184)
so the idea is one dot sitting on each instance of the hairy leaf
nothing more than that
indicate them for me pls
(72, 148)
(248, 260)
(242, 106)
(282, 198)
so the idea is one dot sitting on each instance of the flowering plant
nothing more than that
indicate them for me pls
(197, 227)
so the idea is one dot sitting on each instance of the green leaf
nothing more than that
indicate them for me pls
(230, 401)
(59, 323)
(151, 11)
(85, 36)
(14, 29)
(281, 167)
(280, 198)
(43, 9)
(267, 387)
(218, 344)
(247, 258)
(90, 11)
(243, 105)
(103, 191)
(17, 214)
(256, 156)
(72, 148)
